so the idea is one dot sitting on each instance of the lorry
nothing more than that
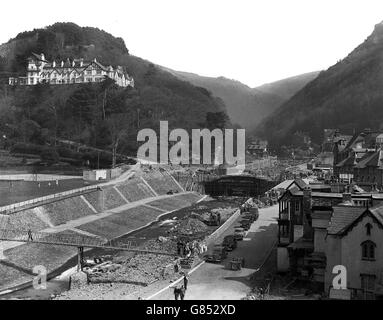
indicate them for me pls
(239, 233)
(230, 243)
(214, 219)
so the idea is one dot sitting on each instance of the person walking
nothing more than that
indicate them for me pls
(182, 291)
(186, 280)
(176, 293)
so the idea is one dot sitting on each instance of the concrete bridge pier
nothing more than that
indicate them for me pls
(80, 258)
(2, 255)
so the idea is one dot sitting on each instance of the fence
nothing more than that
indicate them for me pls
(12, 207)
(217, 233)
(28, 203)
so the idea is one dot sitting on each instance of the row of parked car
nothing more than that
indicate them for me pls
(229, 243)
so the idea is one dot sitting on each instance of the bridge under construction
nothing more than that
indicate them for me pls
(72, 240)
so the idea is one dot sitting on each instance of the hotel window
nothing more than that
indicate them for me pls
(297, 206)
(368, 250)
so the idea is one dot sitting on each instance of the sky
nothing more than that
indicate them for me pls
(252, 41)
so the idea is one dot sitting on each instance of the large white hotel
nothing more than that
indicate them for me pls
(70, 72)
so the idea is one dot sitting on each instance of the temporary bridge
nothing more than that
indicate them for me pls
(74, 240)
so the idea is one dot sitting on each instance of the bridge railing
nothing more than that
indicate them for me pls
(12, 207)
(73, 240)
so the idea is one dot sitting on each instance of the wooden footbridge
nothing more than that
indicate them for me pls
(75, 240)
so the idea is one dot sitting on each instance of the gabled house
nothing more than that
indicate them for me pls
(70, 72)
(307, 221)
(368, 172)
(347, 157)
(355, 241)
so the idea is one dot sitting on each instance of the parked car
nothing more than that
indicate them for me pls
(220, 250)
(249, 217)
(245, 224)
(219, 253)
(212, 258)
(239, 233)
(229, 242)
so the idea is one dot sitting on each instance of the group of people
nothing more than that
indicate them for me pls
(190, 248)
(179, 292)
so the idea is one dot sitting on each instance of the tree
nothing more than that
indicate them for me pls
(29, 130)
(118, 125)
(49, 155)
(216, 120)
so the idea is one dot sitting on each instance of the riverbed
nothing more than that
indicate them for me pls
(59, 282)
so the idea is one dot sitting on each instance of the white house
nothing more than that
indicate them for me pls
(40, 70)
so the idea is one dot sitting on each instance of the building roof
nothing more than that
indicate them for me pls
(368, 140)
(349, 161)
(371, 159)
(378, 213)
(256, 147)
(300, 183)
(342, 217)
(39, 57)
(321, 214)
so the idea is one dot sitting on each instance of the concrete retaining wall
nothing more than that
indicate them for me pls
(217, 233)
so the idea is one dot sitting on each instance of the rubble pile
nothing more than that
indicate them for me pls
(224, 212)
(161, 244)
(189, 226)
(256, 296)
(99, 291)
(141, 269)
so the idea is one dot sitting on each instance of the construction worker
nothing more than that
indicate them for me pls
(186, 280)
(261, 293)
(182, 292)
(30, 238)
(176, 293)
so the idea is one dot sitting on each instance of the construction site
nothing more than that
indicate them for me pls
(136, 233)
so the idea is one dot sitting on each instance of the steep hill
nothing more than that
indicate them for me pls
(347, 96)
(286, 88)
(74, 111)
(248, 106)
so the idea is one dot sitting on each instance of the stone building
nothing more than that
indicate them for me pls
(318, 229)
(355, 240)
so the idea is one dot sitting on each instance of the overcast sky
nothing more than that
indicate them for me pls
(253, 41)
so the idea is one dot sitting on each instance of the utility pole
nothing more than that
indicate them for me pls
(103, 105)
(55, 114)
(138, 118)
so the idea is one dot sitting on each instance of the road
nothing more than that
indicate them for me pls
(215, 282)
